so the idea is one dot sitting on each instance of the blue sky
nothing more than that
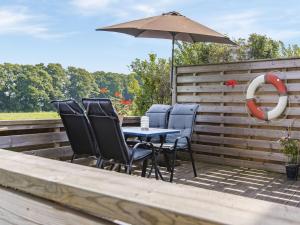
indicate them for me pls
(63, 31)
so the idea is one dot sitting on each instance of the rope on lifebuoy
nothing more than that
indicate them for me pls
(258, 112)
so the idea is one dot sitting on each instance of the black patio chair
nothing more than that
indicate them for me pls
(182, 117)
(78, 129)
(110, 138)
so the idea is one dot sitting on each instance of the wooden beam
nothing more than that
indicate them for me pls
(32, 139)
(20, 208)
(133, 199)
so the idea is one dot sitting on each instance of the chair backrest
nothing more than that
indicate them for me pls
(106, 126)
(182, 117)
(158, 115)
(77, 127)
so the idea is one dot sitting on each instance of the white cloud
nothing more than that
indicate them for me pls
(91, 6)
(244, 23)
(18, 20)
(121, 8)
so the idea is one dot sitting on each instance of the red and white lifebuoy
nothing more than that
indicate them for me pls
(269, 78)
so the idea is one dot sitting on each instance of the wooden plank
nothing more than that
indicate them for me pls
(291, 111)
(53, 153)
(31, 127)
(239, 152)
(241, 163)
(246, 121)
(289, 75)
(238, 66)
(238, 88)
(245, 131)
(29, 122)
(32, 139)
(143, 201)
(271, 145)
(24, 209)
(204, 98)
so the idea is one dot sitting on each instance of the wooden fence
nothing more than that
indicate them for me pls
(224, 132)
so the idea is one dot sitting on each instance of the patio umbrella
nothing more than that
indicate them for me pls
(171, 25)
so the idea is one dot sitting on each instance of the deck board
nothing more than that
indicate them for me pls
(252, 183)
(247, 182)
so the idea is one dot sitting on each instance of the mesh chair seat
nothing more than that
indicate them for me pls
(139, 153)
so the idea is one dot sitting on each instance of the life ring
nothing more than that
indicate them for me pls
(269, 78)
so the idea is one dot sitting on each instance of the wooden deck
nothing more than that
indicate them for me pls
(93, 194)
(252, 183)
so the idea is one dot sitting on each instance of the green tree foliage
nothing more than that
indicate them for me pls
(25, 88)
(82, 83)
(255, 47)
(60, 81)
(150, 82)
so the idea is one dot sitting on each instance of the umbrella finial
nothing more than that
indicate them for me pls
(172, 13)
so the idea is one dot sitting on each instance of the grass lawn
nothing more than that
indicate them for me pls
(28, 116)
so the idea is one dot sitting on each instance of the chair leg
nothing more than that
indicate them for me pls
(119, 168)
(173, 166)
(145, 164)
(128, 169)
(193, 162)
(98, 161)
(73, 157)
(101, 162)
(167, 160)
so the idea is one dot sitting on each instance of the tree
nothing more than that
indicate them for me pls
(150, 82)
(60, 81)
(33, 86)
(82, 84)
(262, 47)
(255, 47)
(201, 53)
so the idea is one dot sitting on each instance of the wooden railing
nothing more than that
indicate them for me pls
(224, 132)
(94, 193)
(45, 138)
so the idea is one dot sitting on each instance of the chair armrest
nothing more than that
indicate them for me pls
(148, 144)
(182, 137)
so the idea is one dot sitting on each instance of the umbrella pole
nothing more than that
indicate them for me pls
(172, 60)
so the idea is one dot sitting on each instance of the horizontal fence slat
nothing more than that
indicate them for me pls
(289, 75)
(239, 152)
(241, 163)
(237, 66)
(237, 141)
(245, 131)
(294, 111)
(223, 88)
(246, 121)
(233, 99)
(32, 139)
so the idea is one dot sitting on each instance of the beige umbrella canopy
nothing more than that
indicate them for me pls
(172, 26)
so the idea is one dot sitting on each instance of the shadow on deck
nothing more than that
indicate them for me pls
(252, 183)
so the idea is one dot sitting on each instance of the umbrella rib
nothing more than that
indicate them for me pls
(139, 33)
(192, 38)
